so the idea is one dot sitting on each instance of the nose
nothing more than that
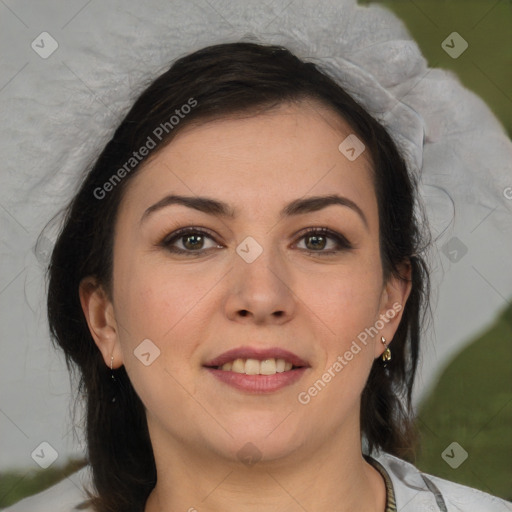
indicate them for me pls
(260, 291)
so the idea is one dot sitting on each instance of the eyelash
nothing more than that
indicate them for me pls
(342, 243)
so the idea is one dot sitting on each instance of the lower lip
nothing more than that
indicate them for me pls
(258, 383)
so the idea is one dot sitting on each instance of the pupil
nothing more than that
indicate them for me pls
(188, 237)
(316, 239)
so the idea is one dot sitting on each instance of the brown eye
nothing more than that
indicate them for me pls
(317, 240)
(191, 239)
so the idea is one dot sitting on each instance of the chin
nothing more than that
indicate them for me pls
(265, 442)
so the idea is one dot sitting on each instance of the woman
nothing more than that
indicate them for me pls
(239, 282)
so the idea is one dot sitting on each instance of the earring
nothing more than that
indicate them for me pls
(386, 356)
(113, 380)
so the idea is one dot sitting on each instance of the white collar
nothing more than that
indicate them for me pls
(416, 491)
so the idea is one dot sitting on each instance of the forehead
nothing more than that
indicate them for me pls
(257, 162)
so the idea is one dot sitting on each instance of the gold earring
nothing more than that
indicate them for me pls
(386, 356)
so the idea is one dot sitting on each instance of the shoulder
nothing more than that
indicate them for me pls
(415, 490)
(66, 496)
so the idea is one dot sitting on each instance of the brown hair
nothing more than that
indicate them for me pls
(221, 80)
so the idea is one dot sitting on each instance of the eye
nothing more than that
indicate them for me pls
(192, 239)
(318, 238)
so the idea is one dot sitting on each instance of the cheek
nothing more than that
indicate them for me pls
(347, 300)
(154, 302)
(164, 304)
(167, 310)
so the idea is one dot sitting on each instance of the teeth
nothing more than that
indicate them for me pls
(238, 366)
(267, 367)
(255, 367)
(252, 367)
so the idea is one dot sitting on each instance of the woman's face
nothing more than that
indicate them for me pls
(254, 280)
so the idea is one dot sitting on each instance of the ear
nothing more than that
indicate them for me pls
(99, 313)
(394, 296)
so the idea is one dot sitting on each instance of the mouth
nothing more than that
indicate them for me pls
(256, 370)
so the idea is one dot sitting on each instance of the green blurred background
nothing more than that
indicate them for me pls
(472, 405)
(472, 402)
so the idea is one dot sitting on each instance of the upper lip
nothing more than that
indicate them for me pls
(257, 353)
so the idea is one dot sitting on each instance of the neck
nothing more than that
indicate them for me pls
(331, 476)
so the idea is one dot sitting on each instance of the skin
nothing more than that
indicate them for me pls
(194, 308)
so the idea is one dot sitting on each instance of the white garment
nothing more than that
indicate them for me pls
(414, 492)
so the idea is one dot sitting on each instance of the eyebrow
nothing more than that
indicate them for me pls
(222, 209)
